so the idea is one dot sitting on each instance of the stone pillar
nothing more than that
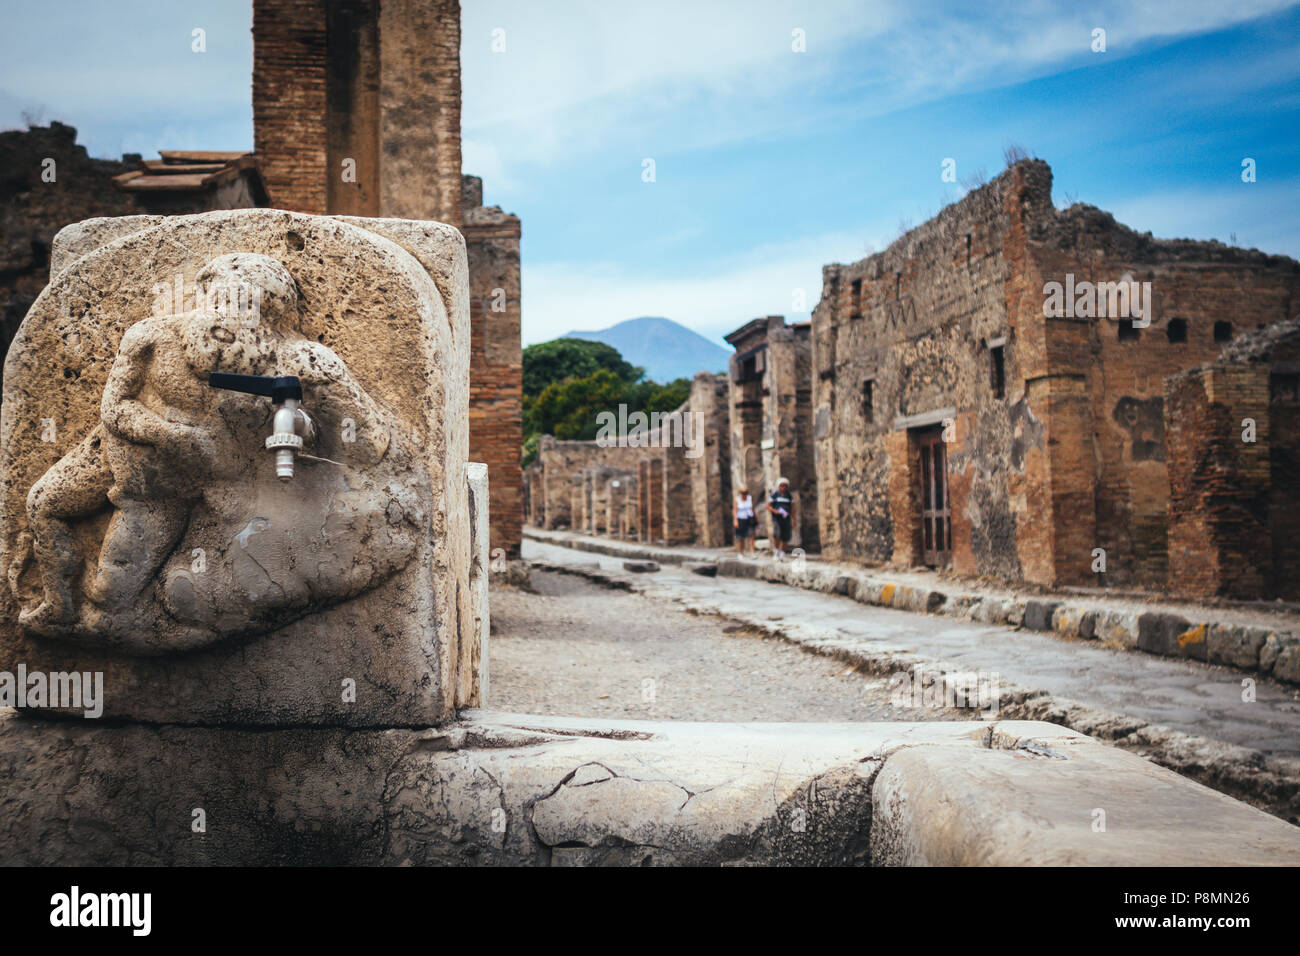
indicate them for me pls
(711, 492)
(1219, 540)
(496, 359)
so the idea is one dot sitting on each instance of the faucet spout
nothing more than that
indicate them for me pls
(289, 419)
(285, 440)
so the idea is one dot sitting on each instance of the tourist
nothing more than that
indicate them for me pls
(746, 522)
(781, 505)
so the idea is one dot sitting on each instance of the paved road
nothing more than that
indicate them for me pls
(583, 650)
(1185, 695)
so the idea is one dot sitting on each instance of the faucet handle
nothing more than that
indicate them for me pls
(277, 387)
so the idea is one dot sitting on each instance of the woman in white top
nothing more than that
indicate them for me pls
(746, 522)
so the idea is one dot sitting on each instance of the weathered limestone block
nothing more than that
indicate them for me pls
(145, 534)
(1170, 635)
(496, 789)
(1236, 645)
(1044, 796)
(1118, 627)
(474, 651)
(1038, 614)
(1280, 657)
(1074, 621)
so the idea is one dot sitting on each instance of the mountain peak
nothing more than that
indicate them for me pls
(665, 349)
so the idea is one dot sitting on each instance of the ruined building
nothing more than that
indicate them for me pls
(670, 484)
(47, 181)
(1019, 392)
(356, 111)
(771, 417)
(990, 389)
(1234, 505)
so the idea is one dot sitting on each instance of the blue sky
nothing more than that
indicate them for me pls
(768, 162)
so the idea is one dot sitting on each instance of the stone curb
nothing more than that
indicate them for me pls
(1269, 652)
(1267, 782)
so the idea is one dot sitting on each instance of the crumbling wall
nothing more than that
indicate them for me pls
(1196, 286)
(562, 464)
(496, 358)
(1232, 448)
(47, 182)
(1054, 424)
(901, 343)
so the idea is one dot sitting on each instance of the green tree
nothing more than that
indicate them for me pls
(568, 409)
(549, 362)
(569, 382)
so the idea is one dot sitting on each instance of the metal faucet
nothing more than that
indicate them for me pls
(290, 423)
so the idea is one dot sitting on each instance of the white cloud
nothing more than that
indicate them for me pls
(671, 76)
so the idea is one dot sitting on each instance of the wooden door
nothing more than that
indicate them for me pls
(936, 525)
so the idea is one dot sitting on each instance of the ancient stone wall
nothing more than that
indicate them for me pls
(1204, 295)
(899, 345)
(356, 106)
(419, 126)
(33, 209)
(771, 419)
(496, 361)
(1232, 447)
(562, 464)
(290, 103)
(1053, 425)
(534, 500)
(650, 483)
(711, 471)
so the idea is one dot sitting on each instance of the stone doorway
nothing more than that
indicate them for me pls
(936, 523)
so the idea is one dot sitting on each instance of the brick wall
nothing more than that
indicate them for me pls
(289, 102)
(1234, 504)
(1071, 457)
(1219, 536)
(711, 491)
(900, 340)
(496, 360)
(1195, 285)
(771, 418)
(32, 210)
(374, 83)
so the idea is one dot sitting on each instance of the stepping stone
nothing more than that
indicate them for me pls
(707, 570)
(641, 566)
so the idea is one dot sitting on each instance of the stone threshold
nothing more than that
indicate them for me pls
(1256, 642)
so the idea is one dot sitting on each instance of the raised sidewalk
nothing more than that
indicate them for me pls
(1255, 638)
